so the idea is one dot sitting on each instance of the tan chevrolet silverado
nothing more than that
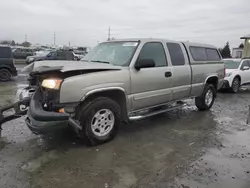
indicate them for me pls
(120, 81)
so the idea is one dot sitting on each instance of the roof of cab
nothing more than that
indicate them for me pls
(187, 43)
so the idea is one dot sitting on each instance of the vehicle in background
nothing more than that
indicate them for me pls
(120, 81)
(52, 55)
(237, 74)
(22, 53)
(41, 52)
(7, 68)
(78, 55)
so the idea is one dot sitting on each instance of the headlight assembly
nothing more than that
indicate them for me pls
(52, 83)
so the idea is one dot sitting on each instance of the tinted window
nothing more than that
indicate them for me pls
(212, 55)
(5, 52)
(198, 53)
(176, 54)
(61, 55)
(245, 63)
(155, 51)
(52, 54)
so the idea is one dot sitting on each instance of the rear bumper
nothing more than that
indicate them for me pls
(40, 121)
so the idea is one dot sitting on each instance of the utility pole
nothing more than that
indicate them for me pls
(54, 38)
(25, 38)
(109, 34)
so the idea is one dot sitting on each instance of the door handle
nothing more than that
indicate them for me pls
(168, 74)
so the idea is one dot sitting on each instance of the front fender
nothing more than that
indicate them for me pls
(91, 92)
(77, 88)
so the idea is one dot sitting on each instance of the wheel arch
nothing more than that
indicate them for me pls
(117, 94)
(238, 76)
(212, 79)
(5, 67)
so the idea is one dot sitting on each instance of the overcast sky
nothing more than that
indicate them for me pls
(85, 22)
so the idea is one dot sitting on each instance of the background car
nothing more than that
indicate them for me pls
(52, 55)
(78, 55)
(237, 74)
(22, 53)
(7, 68)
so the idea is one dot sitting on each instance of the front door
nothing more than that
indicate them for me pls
(245, 74)
(151, 86)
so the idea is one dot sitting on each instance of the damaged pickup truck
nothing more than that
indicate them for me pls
(118, 81)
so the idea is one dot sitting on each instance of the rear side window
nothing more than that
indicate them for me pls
(176, 54)
(61, 55)
(155, 51)
(212, 55)
(198, 53)
(5, 52)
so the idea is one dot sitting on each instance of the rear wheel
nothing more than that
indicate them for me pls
(206, 100)
(5, 75)
(99, 119)
(235, 85)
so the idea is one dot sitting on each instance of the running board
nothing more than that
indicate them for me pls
(143, 116)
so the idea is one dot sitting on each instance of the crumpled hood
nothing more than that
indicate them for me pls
(67, 66)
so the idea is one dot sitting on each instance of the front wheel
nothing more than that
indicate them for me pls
(5, 75)
(235, 85)
(206, 100)
(99, 119)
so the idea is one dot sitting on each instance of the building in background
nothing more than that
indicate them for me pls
(237, 52)
(246, 49)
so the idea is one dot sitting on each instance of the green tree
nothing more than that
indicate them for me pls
(5, 42)
(26, 44)
(13, 43)
(241, 45)
(226, 52)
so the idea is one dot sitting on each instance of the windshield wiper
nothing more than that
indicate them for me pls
(101, 62)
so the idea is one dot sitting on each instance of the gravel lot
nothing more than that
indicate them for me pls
(184, 148)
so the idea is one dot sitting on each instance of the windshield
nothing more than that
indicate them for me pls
(232, 64)
(115, 53)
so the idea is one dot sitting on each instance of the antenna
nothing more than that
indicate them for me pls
(54, 38)
(109, 34)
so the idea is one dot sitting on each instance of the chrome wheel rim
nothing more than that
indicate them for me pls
(236, 85)
(103, 122)
(209, 97)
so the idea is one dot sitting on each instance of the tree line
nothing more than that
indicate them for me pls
(13, 43)
(226, 52)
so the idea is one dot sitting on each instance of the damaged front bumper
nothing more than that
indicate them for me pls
(19, 108)
(40, 121)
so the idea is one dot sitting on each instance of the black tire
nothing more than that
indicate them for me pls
(5, 75)
(201, 103)
(86, 115)
(235, 85)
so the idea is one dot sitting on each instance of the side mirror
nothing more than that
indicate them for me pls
(245, 68)
(144, 63)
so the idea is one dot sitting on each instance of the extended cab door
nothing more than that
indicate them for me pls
(151, 86)
(245, 74)
(181, 70)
